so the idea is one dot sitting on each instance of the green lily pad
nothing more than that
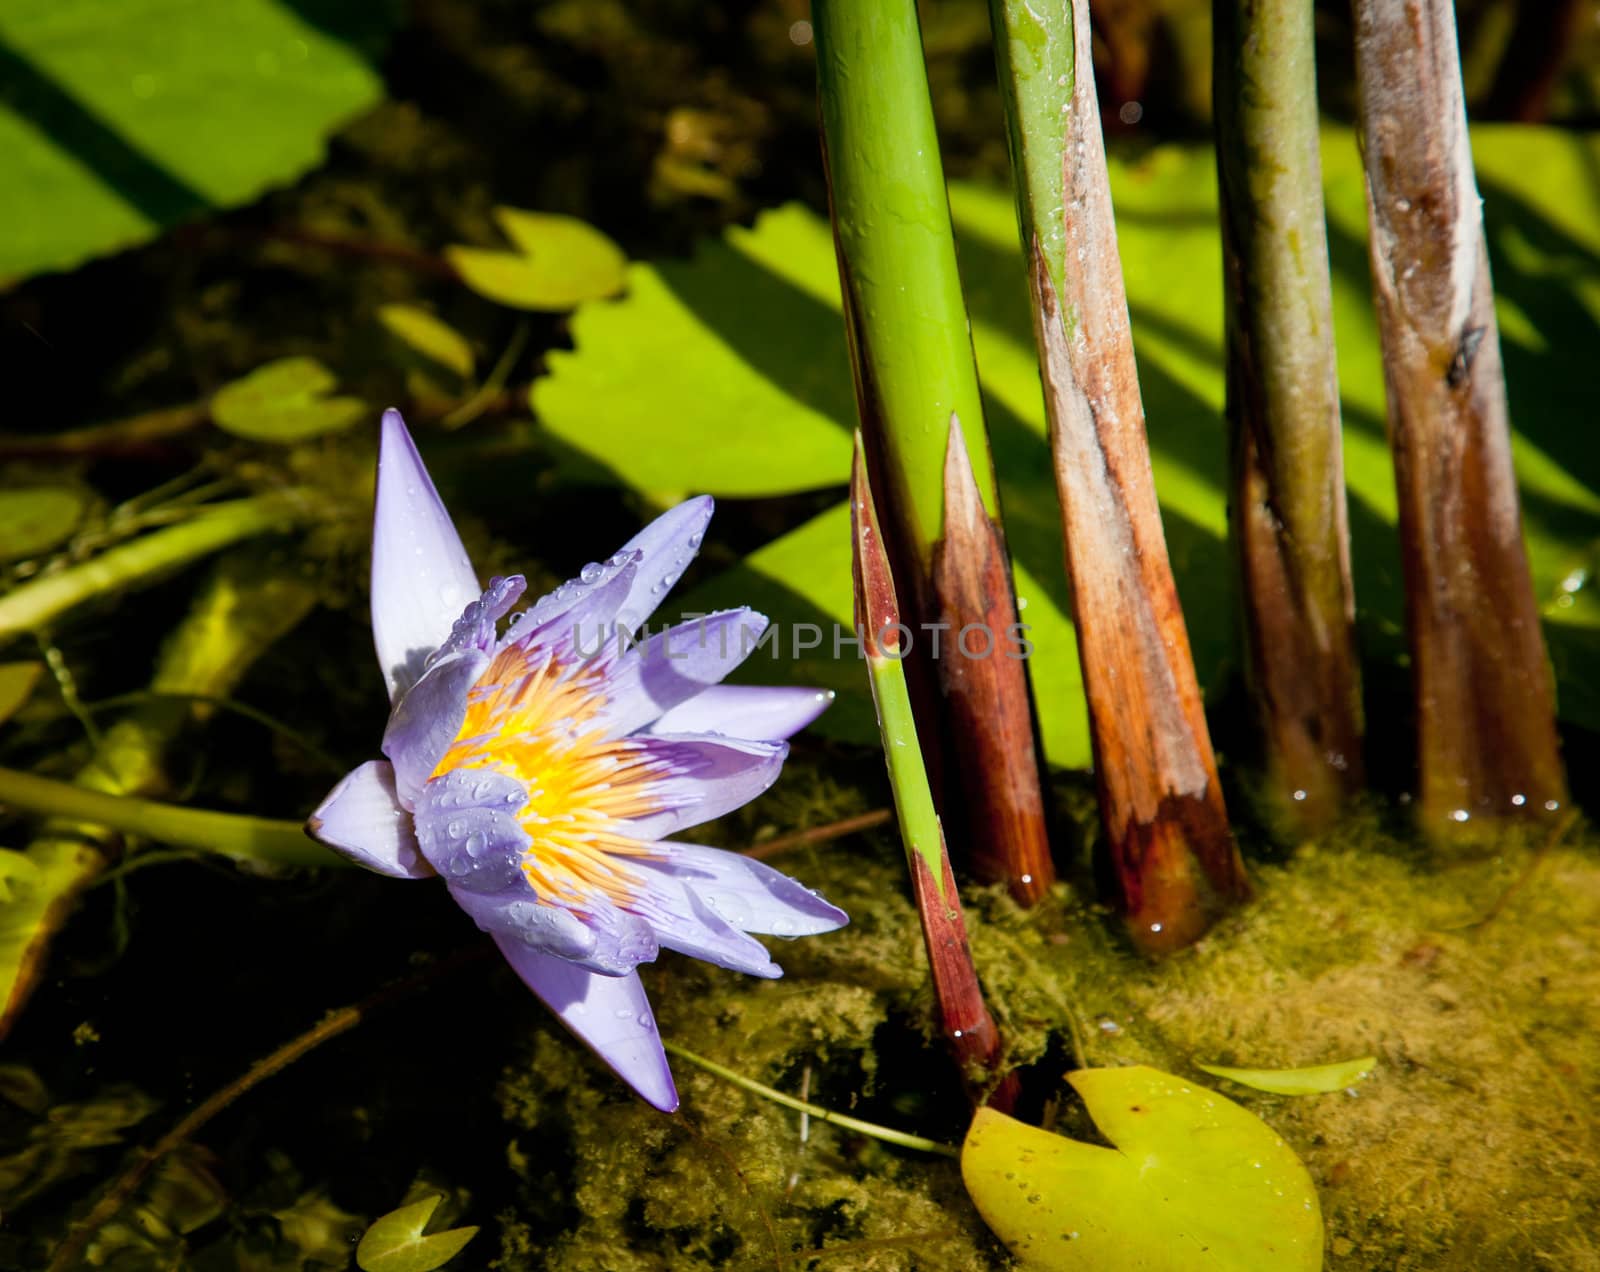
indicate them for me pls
(395, 1243)
(559, 262)
(285, 401)
(728, 374)
(122, 117)
(1318, 1079)
(34, 519)
(1193, 1182)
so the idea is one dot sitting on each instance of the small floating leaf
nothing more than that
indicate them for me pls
(429, 338)
(285, 401)
(17, 680)
(395, 1242)
(34, 519)
(1318, 1079)
(559, 263)
(1194, 1183)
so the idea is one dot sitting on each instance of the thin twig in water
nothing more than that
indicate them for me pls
(122, 1189)
(1556, 835)
(244, 709)
(820, 834)
(885, 1133)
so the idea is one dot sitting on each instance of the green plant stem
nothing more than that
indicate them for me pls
(1167, 836)
(1287, 514)
(42, 600)
(1485, 698)
(918, 398)
(968, 1027)
(897, 259)
(248, 839)
(884, 1133)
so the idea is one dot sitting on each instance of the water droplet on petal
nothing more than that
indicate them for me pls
(696, 539)
(591, 572)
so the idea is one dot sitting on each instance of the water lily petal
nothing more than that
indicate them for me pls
(516, 914)
(749, 895)
(762, 713)
(683, 922)
(363, 819)
(575, 622)
(476, 627)
(421, 577)
(674, 666)
(609, 1013)
(427, 718)
(705, 777)
(666, 546)
(468, 830)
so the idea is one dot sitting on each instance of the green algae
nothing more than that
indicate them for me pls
(1471, 1146)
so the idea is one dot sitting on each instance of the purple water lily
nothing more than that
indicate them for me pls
(539, 766)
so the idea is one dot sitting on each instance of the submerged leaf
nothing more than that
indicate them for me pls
(395, 1242)
(17, 680)
(285, 401)
(1193, 1182)
(34, 519)
(428, 337)
(559, 262)
(40, 887)
(1316, 1079)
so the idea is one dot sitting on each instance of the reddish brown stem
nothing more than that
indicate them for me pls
(1167, 835)
(988, 709)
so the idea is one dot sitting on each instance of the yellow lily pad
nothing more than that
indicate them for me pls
(559, 263)
(1317, 1079)
(1194, 1184)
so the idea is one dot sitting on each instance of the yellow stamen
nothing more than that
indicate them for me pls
(535, 722)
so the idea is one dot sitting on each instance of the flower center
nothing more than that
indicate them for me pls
(533, 719)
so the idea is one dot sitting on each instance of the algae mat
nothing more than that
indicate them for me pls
(1471, 1145)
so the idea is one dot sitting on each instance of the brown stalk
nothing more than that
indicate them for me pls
(987, 705)
(1166, 829)
(1486, 735)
